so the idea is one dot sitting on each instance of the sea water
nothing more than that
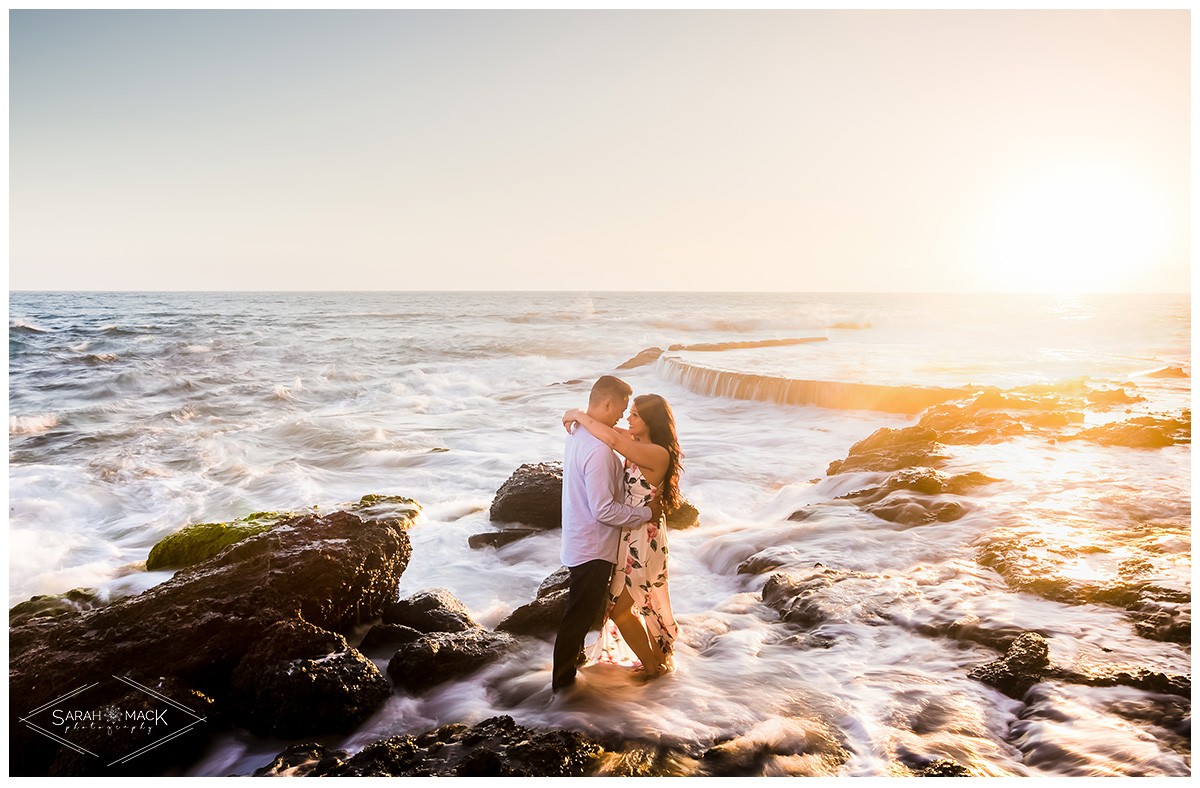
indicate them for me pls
(132, 415)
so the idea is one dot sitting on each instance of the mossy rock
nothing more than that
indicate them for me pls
(202, 541)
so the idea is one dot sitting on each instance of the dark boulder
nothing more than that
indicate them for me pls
(532, 496)
(557, 580)
(432, 610)
(300, 680)
(539, 617)
(797, 597)
(442, 656)
(382, 635)
(1022, 666)
(332, 572)
(497, 747)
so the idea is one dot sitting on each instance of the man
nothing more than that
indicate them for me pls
(592, 518)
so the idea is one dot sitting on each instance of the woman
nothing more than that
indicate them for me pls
(638, 601)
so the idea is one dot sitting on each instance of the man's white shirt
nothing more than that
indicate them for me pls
(593, 512)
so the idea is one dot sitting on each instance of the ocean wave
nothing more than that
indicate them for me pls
(29, 425)
(19, 324)
(99, 358)
(822, 393)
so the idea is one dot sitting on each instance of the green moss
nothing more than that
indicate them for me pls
(202, 541)
(50, 605)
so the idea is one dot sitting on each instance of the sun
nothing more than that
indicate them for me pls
(1089, 227)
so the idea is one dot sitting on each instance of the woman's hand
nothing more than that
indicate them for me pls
(571, 417)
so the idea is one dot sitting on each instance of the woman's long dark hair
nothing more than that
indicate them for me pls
(656, 414)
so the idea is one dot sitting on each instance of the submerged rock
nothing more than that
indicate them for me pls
(330, 573)
(1143, 432)
(441, 656)
(1112, 397)
(496, 747)
(1021, 667)
(51, 605)
(532, 496)
(797, 599)
(500, 538)
(432, 610)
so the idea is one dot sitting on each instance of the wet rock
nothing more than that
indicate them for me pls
(1143, 432)
(797, 597)
(993, 416)
(300, 680)
(76, 600)
(1171, 623)
(539, 617)
(382, 635)
(497, 747)
(944, 768)
(645, 759)
(768, 559)
(889, 449)
(441, 656)
(647, 356)
(202, 541)
(500, 538)
(432, 610)
(686, 516)
(333, 572)
(1022, 666)
(909, 510)
(556, 581)
(532, 496)
(1122, 676)
(798, 752)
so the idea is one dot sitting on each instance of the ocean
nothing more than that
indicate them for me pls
(132, 415)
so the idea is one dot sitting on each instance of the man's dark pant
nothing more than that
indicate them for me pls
(585, 603)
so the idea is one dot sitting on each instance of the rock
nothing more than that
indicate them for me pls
(51, 605)
(199, 542)
(889, 449)
(915, 510)
(1021, 667)
(162, 736)
(686, 516)
(442, 656)
(768, 559)
(496, 747)
(1121, 676)
(388, 635)
(1112, 397)
(795, 597)
(433, 610)
(332, 572)
(539, 617)
(944, 768)
(500, 538)
(647, 356)
(1144, 432)
(300, 680)
(558, 580)
(384, 507)
(532, 496)
(1169, 372)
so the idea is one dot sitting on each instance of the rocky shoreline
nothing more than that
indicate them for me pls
(251, 631)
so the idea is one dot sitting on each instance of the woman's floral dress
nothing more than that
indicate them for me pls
(641, 570)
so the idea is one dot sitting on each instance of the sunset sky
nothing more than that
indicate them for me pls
(571, 150)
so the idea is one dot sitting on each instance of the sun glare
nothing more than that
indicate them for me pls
(1080, 229)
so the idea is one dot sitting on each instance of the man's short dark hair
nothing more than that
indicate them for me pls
(609, 387)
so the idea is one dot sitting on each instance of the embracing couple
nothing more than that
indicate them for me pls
(614, 536)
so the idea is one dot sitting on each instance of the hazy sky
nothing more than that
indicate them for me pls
(573, 150)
